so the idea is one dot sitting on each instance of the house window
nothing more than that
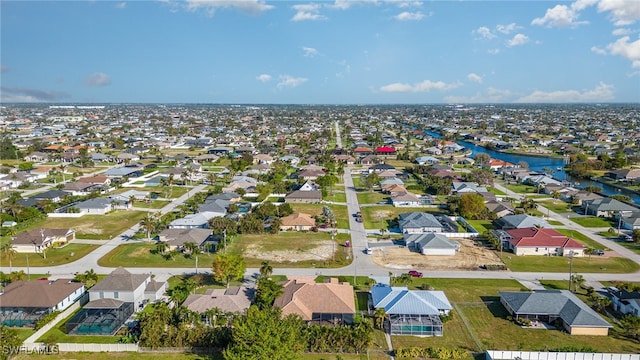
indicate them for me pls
(536, 249)
(115, 295)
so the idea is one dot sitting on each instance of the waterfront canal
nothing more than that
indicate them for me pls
(550, 165)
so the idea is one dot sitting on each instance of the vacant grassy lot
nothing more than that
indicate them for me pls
(478, 301)
(336, 196)
(521, 188)
(371, 197)
(557, 206)
(154, 204)
(592, 222)
(55, 256)
(594, 264)
(496, 191)
(340, 211)
(481, 226)
(98, 227)
(292, 245)
(143, 254)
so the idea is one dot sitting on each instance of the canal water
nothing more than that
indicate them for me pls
(554, 166)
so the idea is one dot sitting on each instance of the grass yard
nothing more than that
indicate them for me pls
(592, 222)
(555, 222)
(377, 217)
(481, 226)
(496, 191)
(337, 196)
(98, 227)
(142, 254)
(594, 264)
(286, 245)
(521, 188)
(371, 197)
(340, 211)
(586, 241)
(399, 164)
(557, 206)
(55, 256)
(24, 333)
(154, 204)
(631, 246)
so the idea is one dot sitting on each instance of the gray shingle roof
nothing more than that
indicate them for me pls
(120, 280)
(418, 220)
(400, 300)
(561, 303)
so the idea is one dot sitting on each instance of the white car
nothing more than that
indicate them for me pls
(368, 251)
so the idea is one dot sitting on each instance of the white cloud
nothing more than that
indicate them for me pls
(97, 79)
(288, 81)
(507, 29)
(263, 78)
(598, 50)
(494, 51)
(121, 5)
(484, 32)
(475, 78)
(345, 4)
(602, 92)
(309, 51)
(406, 4)
(492, 95)
(9, 94)
(626, 49)
(409, 16)
(424, 86)
(622, 13)
(306, 12)
(621, 32)
(517, 40)
(559, 16)
(210, 6)
(582, 4)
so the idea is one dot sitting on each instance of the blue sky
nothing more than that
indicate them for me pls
(320, 52)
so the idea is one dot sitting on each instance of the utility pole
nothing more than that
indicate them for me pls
(570, 271)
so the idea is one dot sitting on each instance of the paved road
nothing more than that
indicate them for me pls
(362, 264)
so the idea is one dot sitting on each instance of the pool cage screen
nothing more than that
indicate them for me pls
(421, 325)
(99, 321)
(22, 316)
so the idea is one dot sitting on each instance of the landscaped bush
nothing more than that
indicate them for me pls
(46, 319)
(495, 267)
(442, 353)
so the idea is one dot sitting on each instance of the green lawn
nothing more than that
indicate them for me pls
(496, 191)
(521, 188)
(98, 227)
(481, 226)
(587, 241)
(24, 333)
(592, 222)
(337, 196)
(631, 246)
(142, 254)
(557, 206)
(155, 204)
(55, 256)
(554, 222)
(371, 197)
(340, 211)
(593, 264)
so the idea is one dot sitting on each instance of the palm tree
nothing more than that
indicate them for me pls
(193, 250)
(161, 246)
(266, 269)
(90, 278)
(148, 225)
(379, 317)
(9, 250)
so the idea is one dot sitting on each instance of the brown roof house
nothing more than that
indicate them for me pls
(329, 303)
(176, 238)
(22, 303)
(234, 299)
(37, 240)
(300, 196)
(297, 222)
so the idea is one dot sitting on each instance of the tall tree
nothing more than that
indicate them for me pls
(471, 205)
(227, 267)
(264, 334)
(8, 250)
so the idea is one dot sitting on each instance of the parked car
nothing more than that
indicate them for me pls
(368, 251)
(599, 252)
(415, 273)
(626, 237)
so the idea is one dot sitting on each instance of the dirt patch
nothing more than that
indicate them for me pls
(323, 251)
(87, 229)
(470, 257)
(380, 215)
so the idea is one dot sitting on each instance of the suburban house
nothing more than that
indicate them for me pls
(234, 299)
(432, 244)
(331, 302)
(193, 221)
(418, 223)
(79, 188)
(99, 206)
(411, 312)
(521, 221)
(624, 301)
(297, 222)
(124, 286)
(37, 240)
(500, 208)
(624, 174)
(630, 222)
(542, 241)
(176, 238)
(467, 187)
(405, 199)
(23, 303)
(549, 306)
(607, 207)
(299, 196)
